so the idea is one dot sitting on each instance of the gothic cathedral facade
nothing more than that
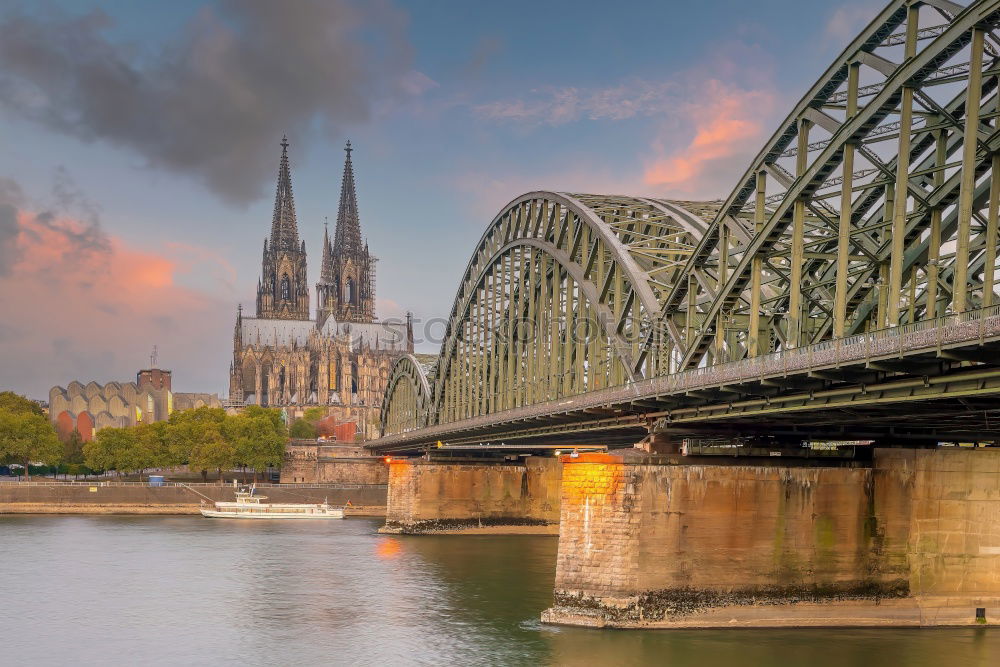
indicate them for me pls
(341, 359)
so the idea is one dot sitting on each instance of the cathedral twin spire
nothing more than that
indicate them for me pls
(284, 229)
(346, 287)
(283, 291)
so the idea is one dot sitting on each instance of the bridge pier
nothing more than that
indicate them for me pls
(470, 496)
(910, 540)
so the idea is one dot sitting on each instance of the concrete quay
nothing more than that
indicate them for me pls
(140, 498)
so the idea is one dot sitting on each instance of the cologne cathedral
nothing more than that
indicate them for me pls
(339, 360)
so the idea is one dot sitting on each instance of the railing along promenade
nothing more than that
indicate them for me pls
(103, 483)
(943, 332)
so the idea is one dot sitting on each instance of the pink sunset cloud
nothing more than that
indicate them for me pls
(91, 306)
(727, 122)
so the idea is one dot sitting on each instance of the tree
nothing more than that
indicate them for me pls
(212, 451)
(272, 414)
(302, 430)
(152, 443)
(313, 415)
(191, 431)
(73, 447)
(258, 443)
(19, 404)
(27, 436)
(114, 449)
(73, 452)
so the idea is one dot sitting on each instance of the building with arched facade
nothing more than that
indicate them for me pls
(339, 361)
(91, 407)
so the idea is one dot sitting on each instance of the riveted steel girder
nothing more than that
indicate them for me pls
(557, 298)
(875, 205)
(407, 396)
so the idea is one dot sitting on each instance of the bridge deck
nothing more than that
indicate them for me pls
(921, 361)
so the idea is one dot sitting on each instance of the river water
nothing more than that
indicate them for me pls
(98, 590)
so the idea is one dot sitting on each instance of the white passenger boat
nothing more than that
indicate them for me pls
(249, 506)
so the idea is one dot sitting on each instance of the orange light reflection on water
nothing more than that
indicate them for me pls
(389, 548)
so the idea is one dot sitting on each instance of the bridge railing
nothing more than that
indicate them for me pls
(938, 333)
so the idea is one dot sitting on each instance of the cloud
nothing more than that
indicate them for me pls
(388, 309)
(489, 190)
(560, 105)
(214, 102)
(727, 122)
(94, 304)
(10, 197)
(847, 21)
(487, 47)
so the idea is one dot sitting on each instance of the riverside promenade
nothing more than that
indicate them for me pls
(111, 497)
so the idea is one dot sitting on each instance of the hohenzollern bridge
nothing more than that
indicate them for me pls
(781, 408)
(844, 289)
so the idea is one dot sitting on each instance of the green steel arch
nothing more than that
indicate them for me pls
(874, 205)
(557, 299)
(407, 396)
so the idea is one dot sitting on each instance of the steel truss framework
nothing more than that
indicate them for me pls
(874, 205)
(407, 396)
(557, 300)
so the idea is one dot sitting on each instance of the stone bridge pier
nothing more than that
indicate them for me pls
(910, 539)
(473, 496)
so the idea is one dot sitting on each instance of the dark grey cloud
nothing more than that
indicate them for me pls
(214, 102)
(10, 201)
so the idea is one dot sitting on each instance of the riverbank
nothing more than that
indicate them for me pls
(139, 498)
(494, 529)
(162, 509)
(909, 612)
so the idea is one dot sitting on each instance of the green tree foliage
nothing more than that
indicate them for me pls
(192, 434)
(212, 452)
(27, 436)
(205, 439)
(114, 449)
(152, 441)
(302, 430)
(259, 441)
(273, 415)
(313, 415)
(73, 448)
(19, 404)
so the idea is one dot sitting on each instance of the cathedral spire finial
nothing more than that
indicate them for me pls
(281, 292)
(347, 235)
(284, 228)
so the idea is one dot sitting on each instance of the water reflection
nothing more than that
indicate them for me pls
(388, 548)
(170, 590)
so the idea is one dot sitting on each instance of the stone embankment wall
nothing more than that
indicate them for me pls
(94, 498)
(913, 541)
(429, 496)
(332, 464)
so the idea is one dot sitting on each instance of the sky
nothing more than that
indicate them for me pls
(139, 146)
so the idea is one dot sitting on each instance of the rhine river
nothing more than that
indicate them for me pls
(94, 590)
